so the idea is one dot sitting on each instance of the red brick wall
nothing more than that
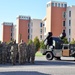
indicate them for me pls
(57, 20)
(6, 33)
(23, 30)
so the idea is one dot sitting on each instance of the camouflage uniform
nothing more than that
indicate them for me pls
(32, 52)
(28, 53)
(14, 51)
(8, 52)
(0, 53)
(4, 53)
(22, 52)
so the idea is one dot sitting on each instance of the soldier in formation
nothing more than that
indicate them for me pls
(4, 53)
(31, 53)
(12, 52)
(22, 52)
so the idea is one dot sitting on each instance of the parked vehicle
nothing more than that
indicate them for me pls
(59, 49)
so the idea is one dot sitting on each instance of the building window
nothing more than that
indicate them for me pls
(31, 36)
(11, 39)
(48, 5)
(61, 5)
(28, 25)
(11, 29)
(41, 37)
(40, 31)
(11, 34)
(63, 23)
(31, 30)
(64, 14)
(28, 30)
(52, 4)
(28, 36)
(65, 5)
(69, 22)
(69, 13)
(58, 4)
(69, 31)
(40, 24)
(43, 24)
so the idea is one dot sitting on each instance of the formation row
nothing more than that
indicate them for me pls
(17, 53)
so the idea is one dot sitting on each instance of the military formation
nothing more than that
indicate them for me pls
(17, 53)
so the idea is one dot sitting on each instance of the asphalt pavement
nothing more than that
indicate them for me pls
(41, 67)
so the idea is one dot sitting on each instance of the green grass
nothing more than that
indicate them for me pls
(39, 54)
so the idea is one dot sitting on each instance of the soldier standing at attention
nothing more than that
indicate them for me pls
(0, 53)
(4, 53)
(28, 53)
(14, 51)
(32, 52)
(22, 52)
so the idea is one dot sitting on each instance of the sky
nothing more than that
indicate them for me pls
(10, 9)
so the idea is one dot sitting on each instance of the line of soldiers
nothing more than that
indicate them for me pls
(17, 53)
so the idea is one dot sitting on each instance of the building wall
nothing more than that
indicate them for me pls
(70, 28)
(57, 20)
(67, 23)
(48, 21)
(7, 32)
(73, 23)
(14, 32)
(45, 27)
(22, 28)
(55, 17)
(35, 29)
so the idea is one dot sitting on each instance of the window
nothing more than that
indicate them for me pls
(69, 13)
(40, 24)
(28, 30)
(65, 5)
(48, 5)
(41, 31)
(61, 5)
(11, 39)
(55, 4)
(64, 14)
(11, 34)
(52, 4)
(31, 36)
(63, 23)
(28, 25)
(28, 36)
(31, 30)
(69, 22)
(69, 31)
(63, 30)
(41, 37)
(11, 29)
(43, 24)
(58, 4)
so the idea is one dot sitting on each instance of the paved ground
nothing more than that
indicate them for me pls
(41, 67)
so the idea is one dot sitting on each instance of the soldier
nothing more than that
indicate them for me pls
(28, 53)
(22, 52)
(14, 51)
(32, 52)
(0, 53)
(4, 53)
(8, 51)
